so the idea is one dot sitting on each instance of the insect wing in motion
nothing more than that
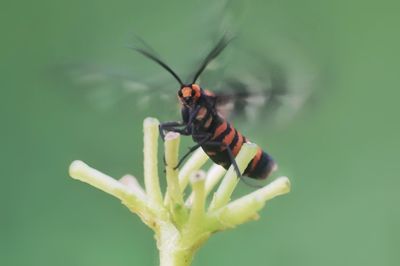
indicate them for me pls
(243, 95)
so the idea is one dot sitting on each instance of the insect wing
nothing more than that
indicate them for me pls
(106, 88)
(266, 90)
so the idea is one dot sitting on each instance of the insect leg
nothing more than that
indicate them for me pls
(205, 136)
(186, 124)
(230, 154)
(173, 126)
(169, 126)
(188, 116)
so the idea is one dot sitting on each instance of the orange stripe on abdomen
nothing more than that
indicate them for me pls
(256, 159)
(238, 144)
(220, 129)
(228, 138)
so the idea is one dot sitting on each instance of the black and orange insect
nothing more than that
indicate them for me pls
(210, 130)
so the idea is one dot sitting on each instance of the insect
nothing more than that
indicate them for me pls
(208, 128)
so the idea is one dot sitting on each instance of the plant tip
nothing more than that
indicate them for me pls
(171, 135)
(76, 167)
(150, 121)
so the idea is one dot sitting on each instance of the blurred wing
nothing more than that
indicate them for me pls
(248, 97)
(271, 94)
(106, 88)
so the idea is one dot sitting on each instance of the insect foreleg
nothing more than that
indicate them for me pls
(173, 126)
(186, 124)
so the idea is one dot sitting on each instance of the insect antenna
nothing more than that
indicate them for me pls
(219, 47)
(151, 55)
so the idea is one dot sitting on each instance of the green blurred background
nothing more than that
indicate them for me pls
(341, 154)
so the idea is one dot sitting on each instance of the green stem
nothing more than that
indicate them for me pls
(151, 179)
(228, 184)
(194, 163)
(174, 194)
(169, 244)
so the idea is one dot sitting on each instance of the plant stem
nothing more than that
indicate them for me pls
(151, 179)
(228, 184)
(169, 244)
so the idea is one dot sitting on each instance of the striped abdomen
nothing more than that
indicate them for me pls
(222, 132)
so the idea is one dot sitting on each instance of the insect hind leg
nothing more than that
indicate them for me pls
(230, 154)
(233, 162)
(205, 138)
